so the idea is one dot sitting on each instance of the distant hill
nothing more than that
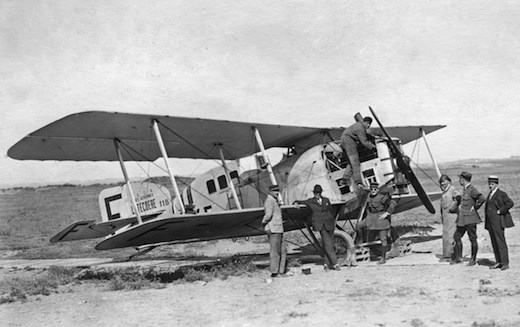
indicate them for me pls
(182, 181)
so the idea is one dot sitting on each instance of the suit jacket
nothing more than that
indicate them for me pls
(471, 201)
(272, 215)
(322, 214)
(501, 202)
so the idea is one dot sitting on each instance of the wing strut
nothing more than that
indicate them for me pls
(165, 156)
(127, 181)
(262, 149)
(228, 178)
(430, 152)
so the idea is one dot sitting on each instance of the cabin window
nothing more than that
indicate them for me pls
(211, 186)
(234, 174)
(222, 182)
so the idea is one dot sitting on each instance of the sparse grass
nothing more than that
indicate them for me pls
(47, 281)
(235, 266)
(43, 283)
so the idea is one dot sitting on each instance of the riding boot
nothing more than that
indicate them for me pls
(457, 250)
(474, 250)
(384, 249)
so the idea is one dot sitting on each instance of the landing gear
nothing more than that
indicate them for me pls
(345, 248)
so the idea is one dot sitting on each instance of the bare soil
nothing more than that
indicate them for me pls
(413, 290)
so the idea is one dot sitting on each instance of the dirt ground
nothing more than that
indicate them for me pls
(413, 290)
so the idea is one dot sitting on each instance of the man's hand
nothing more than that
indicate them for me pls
(383, 216)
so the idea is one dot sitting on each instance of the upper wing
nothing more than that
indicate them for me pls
(89, 136)
(405, 134)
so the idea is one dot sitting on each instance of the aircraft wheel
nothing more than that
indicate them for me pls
(344, 248)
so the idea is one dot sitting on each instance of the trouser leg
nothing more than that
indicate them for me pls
(383, 236)
(350, 147)
(457, 238)
(472, 233)
(503, 255)
(328, 247)
(275, 251)
(283, 255)
(494, 244)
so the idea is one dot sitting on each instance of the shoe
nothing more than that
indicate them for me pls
(497, 266)
(337, 267)
(472, 263)
(289, 274)
(504, 267)
(455, 261)
(326, 267)
(382, 261)
(283, 275)
(273, 275)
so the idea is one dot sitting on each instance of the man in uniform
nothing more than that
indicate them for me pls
(380, 206)
(323, 221)
(273, 226)
(468, 218)
(351, 137)
(498, 218)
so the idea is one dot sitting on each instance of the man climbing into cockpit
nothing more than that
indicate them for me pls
(351, 137)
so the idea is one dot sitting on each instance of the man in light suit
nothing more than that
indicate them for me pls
(323, 221)
(498, 218)
(273, 226)
(468, 218)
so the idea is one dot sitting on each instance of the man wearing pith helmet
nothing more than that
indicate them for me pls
(323, 220)
(498, 218)
(468, 218)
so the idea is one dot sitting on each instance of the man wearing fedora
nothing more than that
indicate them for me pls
(380, 206)
(324, 222)
(273, 225)
(468, 218)
(498, 204)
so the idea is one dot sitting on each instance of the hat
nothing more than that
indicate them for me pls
(465, 175)
(274, 188)
(374, 185)
(493, 179)
(317, 189)
(367, 120)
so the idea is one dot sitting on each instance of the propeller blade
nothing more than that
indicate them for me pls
(406, 169)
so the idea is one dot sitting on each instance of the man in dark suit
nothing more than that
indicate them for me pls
(498, 218)
(323, 221)
(468, 218)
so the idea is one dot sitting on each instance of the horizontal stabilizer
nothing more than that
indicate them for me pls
(86, 229)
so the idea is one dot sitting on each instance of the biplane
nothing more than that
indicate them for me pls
(226, 201)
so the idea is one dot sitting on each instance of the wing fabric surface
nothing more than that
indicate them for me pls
(89, 136)
(201, 227)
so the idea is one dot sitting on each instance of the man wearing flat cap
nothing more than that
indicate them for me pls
(380, 206)
(273, 226)
(468, 218)
(498, 204)
(324, 222)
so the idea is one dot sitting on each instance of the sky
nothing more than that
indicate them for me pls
(304, 63)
